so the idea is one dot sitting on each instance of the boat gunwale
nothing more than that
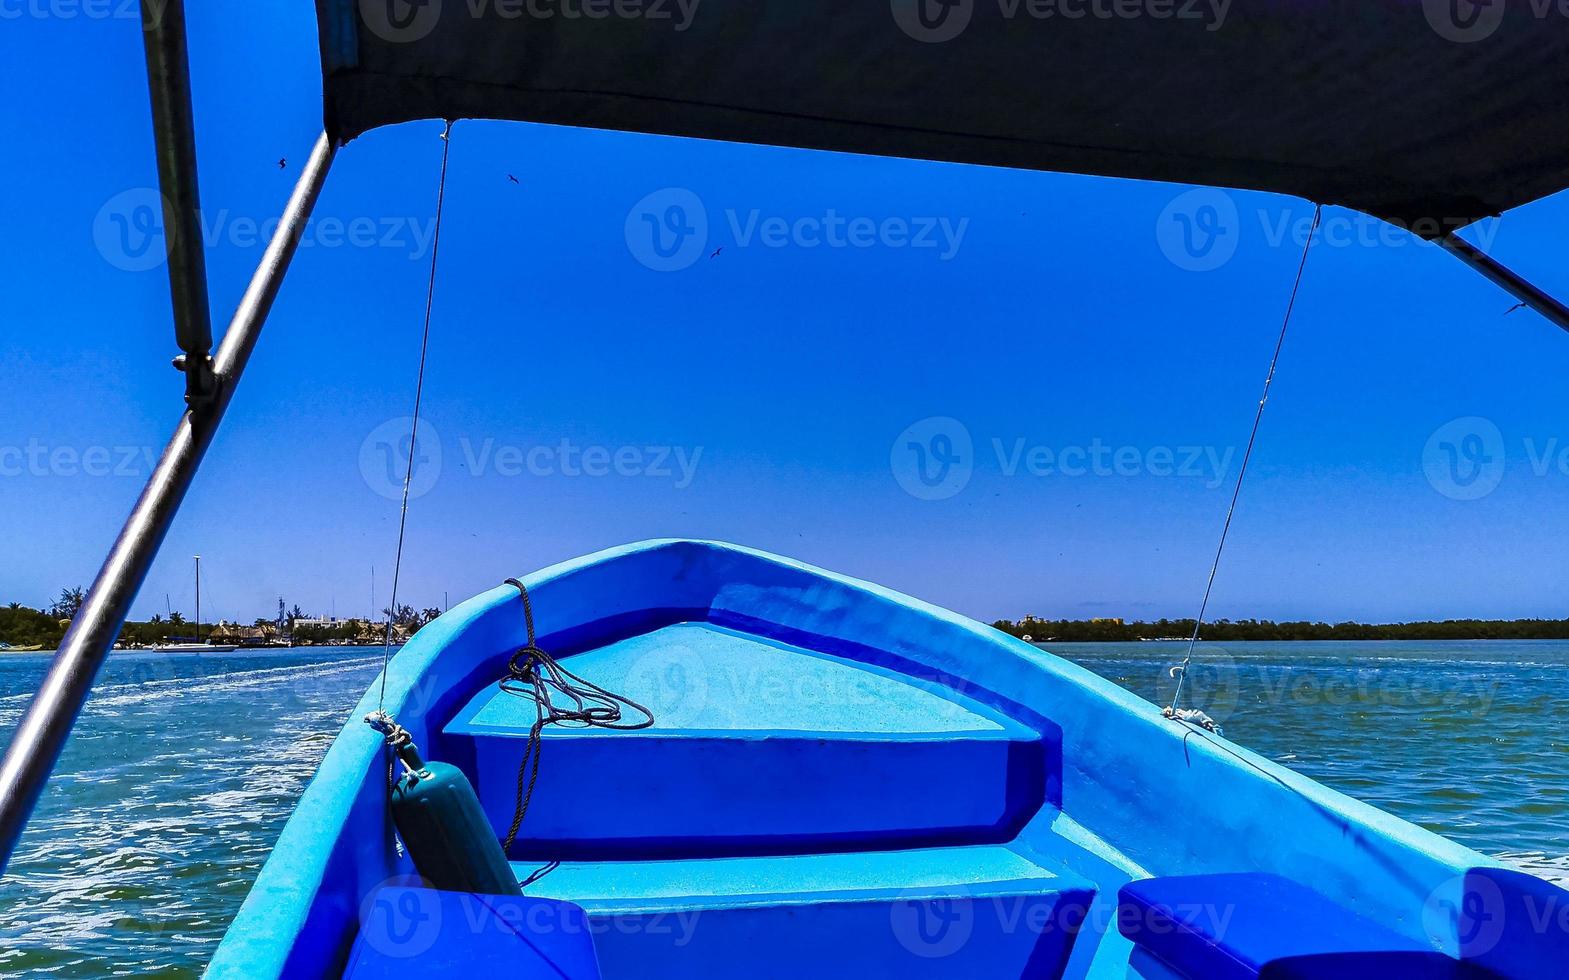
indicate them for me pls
(299, 870)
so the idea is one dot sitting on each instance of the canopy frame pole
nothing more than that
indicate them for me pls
(1509, 280)
(41, 734)
(169, 88)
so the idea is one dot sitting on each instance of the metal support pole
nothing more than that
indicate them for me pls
(1507, 278)
(169, 84)
(43, 730)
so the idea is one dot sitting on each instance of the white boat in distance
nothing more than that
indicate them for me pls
(198, 646)
(193, 648)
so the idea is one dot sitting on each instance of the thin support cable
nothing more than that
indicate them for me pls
(419, 394)
(1236, 493)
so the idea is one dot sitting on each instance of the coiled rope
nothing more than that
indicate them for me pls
(1175, 710)
(536, 676)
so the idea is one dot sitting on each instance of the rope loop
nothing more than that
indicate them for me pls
(536, 676)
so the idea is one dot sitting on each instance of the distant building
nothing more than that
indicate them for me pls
(328, 622)
(247, 636)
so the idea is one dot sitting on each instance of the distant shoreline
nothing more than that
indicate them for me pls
(27, 630)
(216, 651)
(1221, 631)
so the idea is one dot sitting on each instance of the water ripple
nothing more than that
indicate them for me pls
(162, 811)
(159, 817)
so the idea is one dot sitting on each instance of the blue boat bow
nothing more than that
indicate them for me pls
(843, 781)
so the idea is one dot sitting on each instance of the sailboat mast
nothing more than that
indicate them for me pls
(198, 598)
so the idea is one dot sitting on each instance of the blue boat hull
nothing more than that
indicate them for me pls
(843, 781)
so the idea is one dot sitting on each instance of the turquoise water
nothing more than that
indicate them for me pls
(171, 792)
(1464, 738)
(184, 769)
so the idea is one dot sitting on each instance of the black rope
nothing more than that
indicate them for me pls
(535, 675)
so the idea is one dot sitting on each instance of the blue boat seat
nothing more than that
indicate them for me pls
(933, 914)
(758, 747)
(420, 932)
(1252, 925)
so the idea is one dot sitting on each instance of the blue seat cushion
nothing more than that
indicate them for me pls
(420, 932)
(1251, 925)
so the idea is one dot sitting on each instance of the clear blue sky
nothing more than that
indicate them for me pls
(1068, 316)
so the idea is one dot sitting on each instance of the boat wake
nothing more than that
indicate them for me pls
(168, 799)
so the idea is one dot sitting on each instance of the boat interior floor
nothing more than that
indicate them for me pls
(785, 803)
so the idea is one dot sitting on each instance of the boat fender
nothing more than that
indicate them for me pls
(441, 822)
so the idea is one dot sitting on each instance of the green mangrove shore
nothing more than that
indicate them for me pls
(24, 630)
(27, 630)
(1220, 631)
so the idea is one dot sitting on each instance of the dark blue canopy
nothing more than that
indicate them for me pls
(1429, 113)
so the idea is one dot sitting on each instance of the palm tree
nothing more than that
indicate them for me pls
(404, 615)
(69, 603)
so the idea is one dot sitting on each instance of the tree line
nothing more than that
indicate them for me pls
(22, 626)
(1115, 630)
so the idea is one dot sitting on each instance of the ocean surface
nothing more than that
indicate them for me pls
(184, 768)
